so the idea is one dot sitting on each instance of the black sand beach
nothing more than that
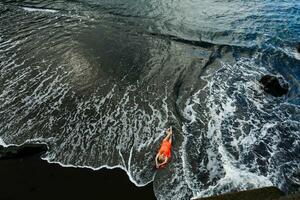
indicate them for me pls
(25, 176)
(100, 81)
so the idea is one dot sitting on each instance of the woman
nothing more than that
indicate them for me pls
(164, 153)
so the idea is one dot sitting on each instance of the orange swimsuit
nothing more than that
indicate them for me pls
(165, 148)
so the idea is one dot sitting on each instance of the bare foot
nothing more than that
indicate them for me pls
(169, 130)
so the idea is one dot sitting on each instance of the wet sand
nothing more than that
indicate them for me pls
(29, 177)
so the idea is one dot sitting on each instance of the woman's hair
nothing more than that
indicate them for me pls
(161, 158)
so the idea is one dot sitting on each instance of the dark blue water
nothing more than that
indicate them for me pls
(100, 81)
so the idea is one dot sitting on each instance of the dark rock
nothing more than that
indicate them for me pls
(267, 193)
(298, 48)
(273, 85)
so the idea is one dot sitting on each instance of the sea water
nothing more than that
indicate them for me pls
(100, 82)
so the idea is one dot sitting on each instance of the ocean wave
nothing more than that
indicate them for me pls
(100, 90)
(31, 9)
(242, 136)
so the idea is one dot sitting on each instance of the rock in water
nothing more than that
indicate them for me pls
(276, 86)
(298, 48)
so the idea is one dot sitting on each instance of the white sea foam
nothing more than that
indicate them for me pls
(292, 52)
(224, 108)
(297, 55)
(99, 168)
(2, 143)
(126, 123)
(29, 9)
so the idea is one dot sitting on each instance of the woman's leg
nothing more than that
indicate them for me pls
(168, 137)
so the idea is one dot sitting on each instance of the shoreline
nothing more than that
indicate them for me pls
(24, 175)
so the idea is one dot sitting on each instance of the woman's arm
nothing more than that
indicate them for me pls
(156, 163)
(169, 134)
(163, 163)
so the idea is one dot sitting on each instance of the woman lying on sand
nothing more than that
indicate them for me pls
(164, 153)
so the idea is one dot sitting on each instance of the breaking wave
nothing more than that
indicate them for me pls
(99, 83)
